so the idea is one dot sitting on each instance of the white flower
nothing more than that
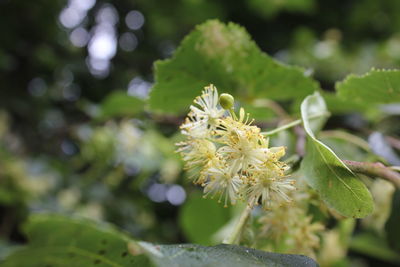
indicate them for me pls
(244, 145)
(198, 154)
(223, 182)
(269, 184)
(203, 116)
(269, 190)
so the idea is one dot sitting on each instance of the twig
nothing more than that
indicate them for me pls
(394, 142)
(374, 169)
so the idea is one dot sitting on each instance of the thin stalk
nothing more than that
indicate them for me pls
(292, 124)
(283, 127)
(374, 169)
(236, 234)
(232, 112)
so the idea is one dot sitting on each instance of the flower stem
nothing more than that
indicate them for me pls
(292, 124)
(236, 234)
(374, 169)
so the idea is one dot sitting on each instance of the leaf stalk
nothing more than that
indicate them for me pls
(294, 123)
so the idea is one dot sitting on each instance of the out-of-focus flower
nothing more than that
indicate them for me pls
(382, 191)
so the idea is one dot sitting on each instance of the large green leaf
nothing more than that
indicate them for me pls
(337, 185)
(392, 225)
(56, 240)
(371, 244)
(221, 256)
(226, 56)
(374, 87)
(62, 241)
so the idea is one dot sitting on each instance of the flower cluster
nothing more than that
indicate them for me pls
(289, 228)
(292, 228)
(229, 156)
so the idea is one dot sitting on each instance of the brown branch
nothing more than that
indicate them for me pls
(374, 169)
(394, 142)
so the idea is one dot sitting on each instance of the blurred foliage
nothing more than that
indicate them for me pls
(201, 218)
(77, 135)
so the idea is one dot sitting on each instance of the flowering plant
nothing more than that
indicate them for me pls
(293, 187)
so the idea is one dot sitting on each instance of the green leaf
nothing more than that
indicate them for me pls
(374, 87)
(344, 149)
(221, 256)
(225, 55)
(338, 105)
(392, 225)
(120, 104)
(201, 218)
(268, 8)
(337, 185)
(370, 244)
(56, 240)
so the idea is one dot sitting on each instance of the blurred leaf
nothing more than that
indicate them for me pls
(344, 149)
(372, 245)
(258, 113)
(374, 87)
(337, 185)
(221, 256)
(120, 104)
(200, 218)
(61, 241)
(6, 249)
(226, 56)
(339, 106)
(392, 225)
(270, 8)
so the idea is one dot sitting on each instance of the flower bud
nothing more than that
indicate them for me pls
(226, 101)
